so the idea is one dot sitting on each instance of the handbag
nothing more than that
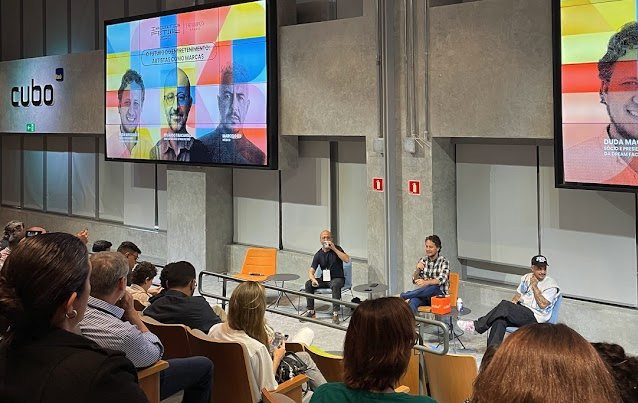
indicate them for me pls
(289, 367)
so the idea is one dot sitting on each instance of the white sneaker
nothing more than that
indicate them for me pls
(466, 325)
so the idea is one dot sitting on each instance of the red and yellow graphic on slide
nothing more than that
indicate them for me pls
(599, 81)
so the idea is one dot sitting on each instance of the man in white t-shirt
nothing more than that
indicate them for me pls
(533, 303)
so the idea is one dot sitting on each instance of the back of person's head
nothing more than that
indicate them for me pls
(247, 310)
(542, 363)
(39, 277)
(130, 247)
(13, 231)
(177, 274)
(108, 268)
(623, 368)
(487, 356)
(378, 344)
(101, 246)
(143, 271)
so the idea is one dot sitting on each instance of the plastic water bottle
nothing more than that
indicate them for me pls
(459, 304)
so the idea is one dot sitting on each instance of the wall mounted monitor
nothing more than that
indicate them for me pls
(193, 86)
(596, 104)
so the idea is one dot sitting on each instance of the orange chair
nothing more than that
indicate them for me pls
(454, 292)
(259, 263)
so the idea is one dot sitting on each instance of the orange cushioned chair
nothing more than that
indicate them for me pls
(259, 263)
(454, 292)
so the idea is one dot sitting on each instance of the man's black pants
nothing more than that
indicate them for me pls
(503, 315)
(335, 284)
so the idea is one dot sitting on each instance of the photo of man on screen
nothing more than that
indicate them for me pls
(227, 143)
(177, 144)
(611, 157)
(129, 140)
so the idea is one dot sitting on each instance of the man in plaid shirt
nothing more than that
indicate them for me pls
(431, 275)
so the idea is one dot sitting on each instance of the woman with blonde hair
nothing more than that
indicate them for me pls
(247, 324)
(377, 351)
(542, 363)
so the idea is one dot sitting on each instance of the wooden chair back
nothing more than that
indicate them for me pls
(330, 365)
(232, 380)
(149, 380)
(410, 380)
(138, 305)
(450, 376)
(173, 337)
(454, 288)
(259, 263)
(235, 378)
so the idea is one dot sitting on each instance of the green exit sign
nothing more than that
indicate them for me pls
(30, 127)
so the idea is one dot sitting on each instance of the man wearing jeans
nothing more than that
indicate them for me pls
(432, 275)
(533, 303)
(330, 258)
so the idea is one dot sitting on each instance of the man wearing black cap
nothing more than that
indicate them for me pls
(533, 303)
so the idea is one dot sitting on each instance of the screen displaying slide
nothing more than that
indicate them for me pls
(189, 87)
(599, 80)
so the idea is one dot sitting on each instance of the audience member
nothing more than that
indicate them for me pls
(176, 303)
(542, 363)
(112, 322)
(131, 252)
(33, 231)
(101, 246)
(623, 368)
(13, 234)
(331, 258)
(142, 280)
(247, 325)
(431, 276)
(533, 303)
(44, 289)
(377, 351)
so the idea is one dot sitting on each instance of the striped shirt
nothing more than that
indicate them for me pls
(103, 324)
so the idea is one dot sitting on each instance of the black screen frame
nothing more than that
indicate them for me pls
(272, 98)
(559, 172)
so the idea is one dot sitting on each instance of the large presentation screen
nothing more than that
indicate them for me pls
(196, 86)
(596, 80)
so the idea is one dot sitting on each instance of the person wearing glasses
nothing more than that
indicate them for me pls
(131, 252)
(227, 143)
(129, 140)
(176, 303)
(176, 143)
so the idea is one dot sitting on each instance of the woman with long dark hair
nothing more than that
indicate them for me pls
(44, 288)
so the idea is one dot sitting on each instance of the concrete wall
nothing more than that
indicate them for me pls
(491, 69)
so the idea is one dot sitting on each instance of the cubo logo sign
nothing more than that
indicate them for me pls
(33, 94)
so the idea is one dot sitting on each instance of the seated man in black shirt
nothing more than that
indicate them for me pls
(330, 258)
(176, 303)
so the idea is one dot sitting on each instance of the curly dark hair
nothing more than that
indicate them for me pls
(622, 367)
(142, 271)
(619, 43)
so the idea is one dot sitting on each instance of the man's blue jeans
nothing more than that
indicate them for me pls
(193, 375)
(421, 296)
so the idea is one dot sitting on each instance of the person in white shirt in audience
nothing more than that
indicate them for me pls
(533, 303)
(112, 322)
(246, 324)
(142, 280)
